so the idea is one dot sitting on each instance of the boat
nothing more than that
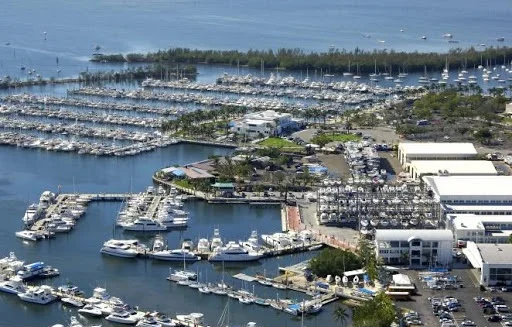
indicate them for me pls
(72, 301)
(234, 252)
(48, 272)
(204, 289)
(163, 320)
(279, 286)
(172, 222)
(120, 248)
(90, 310)
(10, 264)
(13, 286)
(144, 224)
(178, 275)
(252, 243)
(31, 270)
(203, 245)
(175, 255)
(122, 317)
(32, 214)
(38, 294)
(193, 319)
(148, 321)
(28, 235)
(246, 299)
(216, 240)
(262, 302)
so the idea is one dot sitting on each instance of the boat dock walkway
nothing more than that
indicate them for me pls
(153, 206)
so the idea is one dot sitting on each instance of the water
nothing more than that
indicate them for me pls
(24, 174)
(75, 29)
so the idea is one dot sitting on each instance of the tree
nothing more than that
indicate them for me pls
(334, 262)
(366, 251)
(376, 312)
(510, 238)
(341, 315)
(483, 135)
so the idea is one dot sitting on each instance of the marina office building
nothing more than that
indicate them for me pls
(494, 262)
(410, 151)
(266, 123)
(420, 168)
(493, 229)
(415, 247)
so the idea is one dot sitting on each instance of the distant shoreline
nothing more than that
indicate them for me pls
(334, 61)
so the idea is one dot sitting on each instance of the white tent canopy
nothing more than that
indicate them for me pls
(401, 279)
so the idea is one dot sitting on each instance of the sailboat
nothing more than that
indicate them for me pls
(373, 76)
(182, 275)
(390, 75)
(423, 79)
(348, 73)
(357, 76)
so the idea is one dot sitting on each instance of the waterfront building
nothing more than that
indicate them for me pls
(414, 247)
(224, 189)
(508, 108)
(265, 123)
(480, 228)
(420, 168)
(494, 262)
(410, 151)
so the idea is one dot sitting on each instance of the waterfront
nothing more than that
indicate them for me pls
(25, 174)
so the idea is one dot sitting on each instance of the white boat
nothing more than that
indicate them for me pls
(28, 235)
(90, 310)
(277, 240)
(31, 270)
(246, 299)
(252, 243)
(163, 320)
(10, 264)
(175, 255)
(234, 252)
(178, 275)
(39, 295)
(13, 286)
(32, 214)
(216, 240)
(204, 289)
(122, 317)
(193, 319)
(203, 245)
(144, 224)
(173, 222)
(148, 321)
(120, 248)
(72, 301)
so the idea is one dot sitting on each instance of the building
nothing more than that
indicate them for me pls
(410, 151)
(508, 108)
(224, 189)
(480, 228)
(494, 262)
(476, 209)
(474, 190)
(420, 168)
(414, 247)
(265, 123)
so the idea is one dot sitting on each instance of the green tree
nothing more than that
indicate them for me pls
(376, 312)
(341, 315)
(510, 238)
(334, 262)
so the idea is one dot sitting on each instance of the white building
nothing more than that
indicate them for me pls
(494, 261)
(508, 108)
(414, 247)
(480, 228)
(266, 123)
(480, 209)
(409, 151)
(420, 168)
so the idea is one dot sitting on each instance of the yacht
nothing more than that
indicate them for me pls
(120, 248)
(31, 270)
(234, 252)
(72, 301)
(179, 275)
(39, 295)
(13, 286)
(175, 255)
(32, 214)
(203, 245)
(144, 224)
(163, 320)
(90, 310)
(172, 222)
(252, 243)
(193, 319)
(277, 240)
(216, 240)
(122, 317)
(10, 264)
(148, 321)
(28, 235)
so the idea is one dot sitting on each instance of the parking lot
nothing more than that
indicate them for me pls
(458, 302)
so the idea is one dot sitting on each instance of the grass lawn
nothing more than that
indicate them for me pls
(344, 137)
(277, 142)
(183, 183)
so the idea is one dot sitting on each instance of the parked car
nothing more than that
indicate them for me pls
(494, 318)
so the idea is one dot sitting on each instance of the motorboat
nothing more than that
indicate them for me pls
(148, 321)
(173, 222)
(28, 235)
(163, 320)
(144, 224)
(32, 214)
(38, 294)
(216, 240)
(120, 248)
(193, 319)
(246, 300)
(48, 272)
(70, 290)
(13, 286)
(122, 317)
(175, 255)
(73, 322)
(262, 302)
(90, 310)
(234, 252)
(277, 240)
(178, 275)
(31, 270)
(204, 289)
(72, 301)
(252, 243)
(203, 245)
(10, 264)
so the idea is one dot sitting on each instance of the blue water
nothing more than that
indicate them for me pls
(75, 28)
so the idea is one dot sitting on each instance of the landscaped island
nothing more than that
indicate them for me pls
(332, 61)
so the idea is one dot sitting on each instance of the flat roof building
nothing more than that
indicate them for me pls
(415, 247)
(410, 151)
(420, 168)
(494, 261)
(480, 228)
(471, 189)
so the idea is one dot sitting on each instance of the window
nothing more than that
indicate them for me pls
(404, 244)
(435, 244)
(394, 244)
(416, 243)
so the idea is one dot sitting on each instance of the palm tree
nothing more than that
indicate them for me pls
(341, 315)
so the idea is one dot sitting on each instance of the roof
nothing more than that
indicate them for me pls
(401, 279)
(476, 222)
(195, 173)
(495, 253)
(468, 167)
(471, 187)
(418, 148)
(407, 234)
(223, 185)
